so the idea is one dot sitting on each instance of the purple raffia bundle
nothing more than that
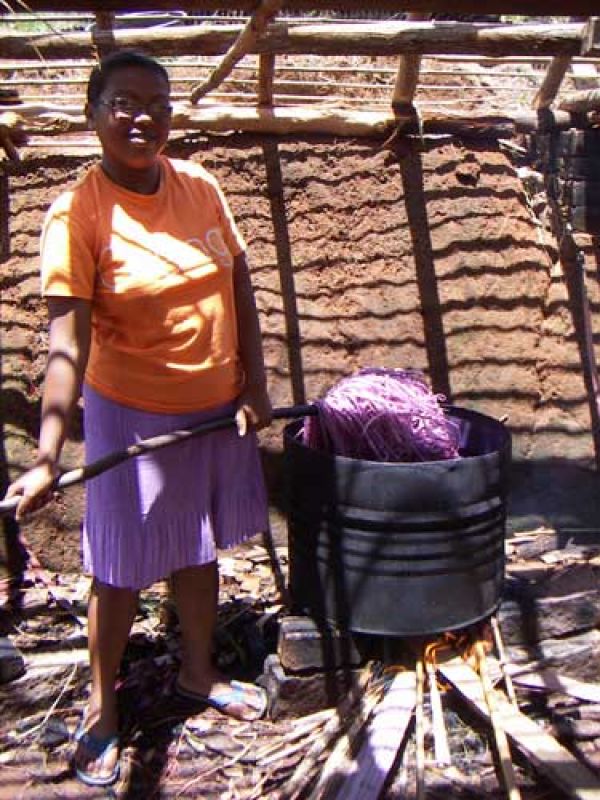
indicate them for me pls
(383, 415)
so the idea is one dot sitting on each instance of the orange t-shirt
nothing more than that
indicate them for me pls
(159, 272)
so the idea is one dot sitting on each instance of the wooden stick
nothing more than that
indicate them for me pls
(420, 727)
(243, 44)
(440, 735)
(499, 644)
(81, 474)
(506, 765)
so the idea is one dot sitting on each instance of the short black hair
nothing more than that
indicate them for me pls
(120, 59)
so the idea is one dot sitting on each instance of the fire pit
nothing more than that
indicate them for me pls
(399, 549)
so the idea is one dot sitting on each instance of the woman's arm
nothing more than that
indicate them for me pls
(70, 332)
(254, 406)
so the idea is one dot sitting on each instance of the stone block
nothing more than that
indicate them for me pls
(294, 695)
(528, 620)
(305, 645)
(12, 663)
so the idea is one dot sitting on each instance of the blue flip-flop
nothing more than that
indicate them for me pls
(255, 700)
(97, 747)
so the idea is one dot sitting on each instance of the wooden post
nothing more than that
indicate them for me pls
(407, 78)
(590, 45)
(553, 78)
(103, 33)
(4, 220)
(243, 44)
(266, 76)
(572, 262)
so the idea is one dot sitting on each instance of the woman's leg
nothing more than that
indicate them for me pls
(196, 591)
(111, 611)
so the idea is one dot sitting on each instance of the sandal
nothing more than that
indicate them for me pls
(97, 747)
(248, 695)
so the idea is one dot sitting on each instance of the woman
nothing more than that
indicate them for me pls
(151, 308)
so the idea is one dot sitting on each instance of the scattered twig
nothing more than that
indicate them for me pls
(50, 711)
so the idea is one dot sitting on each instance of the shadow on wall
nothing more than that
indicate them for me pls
(558, 494)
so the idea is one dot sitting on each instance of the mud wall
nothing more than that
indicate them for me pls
(429, 257)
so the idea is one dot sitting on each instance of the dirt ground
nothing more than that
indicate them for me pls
(430, 256)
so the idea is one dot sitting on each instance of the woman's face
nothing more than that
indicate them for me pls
(132, 118)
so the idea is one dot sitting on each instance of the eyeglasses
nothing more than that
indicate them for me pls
(125, 108)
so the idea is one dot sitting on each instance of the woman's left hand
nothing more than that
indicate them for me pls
(253, 410)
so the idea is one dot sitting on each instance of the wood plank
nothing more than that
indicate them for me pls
(555, 762)
(385, 733)
(551, 681)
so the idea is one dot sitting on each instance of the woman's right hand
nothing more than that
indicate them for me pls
(34, 488)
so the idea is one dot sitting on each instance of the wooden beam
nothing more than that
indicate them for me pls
(525, 7)
(383, 38)
(581, 101)
(49, 120)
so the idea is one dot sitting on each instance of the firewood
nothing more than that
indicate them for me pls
(332, 729)
(551, 681)
(555, 762)
(440, 735)
(506, 765)
(363, 776)
(420, 727)
(499, 644)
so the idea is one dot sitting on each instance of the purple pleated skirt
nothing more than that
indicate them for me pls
(171, 508)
